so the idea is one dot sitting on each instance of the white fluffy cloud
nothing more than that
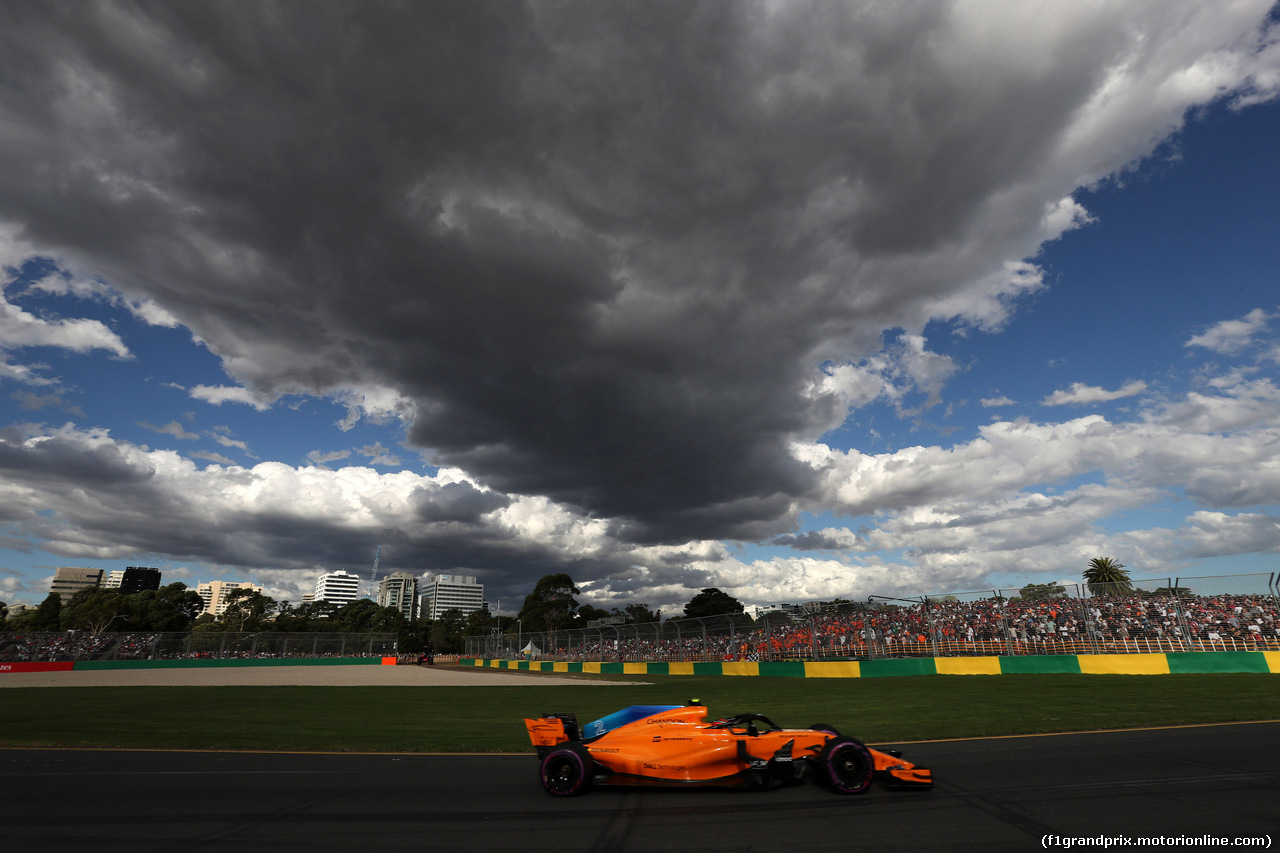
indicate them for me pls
(1233, 336)
(1230, 402)
(997, 504)
(19, 328)
(901, 369)
(219, 394)
(1213, 534)
(1240, 468)
(1080, 394)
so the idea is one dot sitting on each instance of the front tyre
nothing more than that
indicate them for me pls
(567, 771)
(846, 766)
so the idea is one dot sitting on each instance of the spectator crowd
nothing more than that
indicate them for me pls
(1132, 623)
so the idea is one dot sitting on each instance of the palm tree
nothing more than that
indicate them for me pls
(1106, 575)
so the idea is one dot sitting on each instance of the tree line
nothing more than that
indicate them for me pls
(552, 607)
(177, 608)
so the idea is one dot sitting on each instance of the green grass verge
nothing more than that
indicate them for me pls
(489, 719)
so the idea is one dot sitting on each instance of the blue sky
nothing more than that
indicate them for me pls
(1182, 242)
(815, 325)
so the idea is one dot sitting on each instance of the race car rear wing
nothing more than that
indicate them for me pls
(551, 730)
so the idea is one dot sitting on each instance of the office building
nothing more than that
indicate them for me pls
(399, 590)
(450, 592)
(68, 580)
(340, 587)
(139, 578)
(216, 594)
(114, 579)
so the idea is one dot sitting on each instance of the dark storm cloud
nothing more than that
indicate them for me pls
(54, 459)
(455, 502)
(600, 248)
(812, 540)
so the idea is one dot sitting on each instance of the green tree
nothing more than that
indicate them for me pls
(48, 616)
(478, 623)
(639, 614)
(1105, 576)
(355, 616)
(319, 609)
(1042, 591)
(1171, 591)
(207, 622)
(314, 616)
(388, 620)
(712, 602)
(290, 619)
(286, 619)
(172, 607)
(248, 610)
(551, 605)
(417, 637)
(590, 613)
(446, 632)
(95, 609)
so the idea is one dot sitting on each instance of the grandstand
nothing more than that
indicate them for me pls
(1232, 613)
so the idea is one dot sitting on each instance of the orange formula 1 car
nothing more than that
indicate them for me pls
(675, 745)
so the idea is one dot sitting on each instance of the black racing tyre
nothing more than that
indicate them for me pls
(823, 727)
(567, 771)
(846, 766)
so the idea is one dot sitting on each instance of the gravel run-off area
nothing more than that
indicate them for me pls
(278, 676)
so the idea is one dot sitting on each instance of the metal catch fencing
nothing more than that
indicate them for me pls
(1223, 613)
(195, 645)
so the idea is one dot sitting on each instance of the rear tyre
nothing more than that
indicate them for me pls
(846, 766)
(567, 771)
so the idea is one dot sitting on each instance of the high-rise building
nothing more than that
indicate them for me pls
(449, 592)
(114, 579)
(139, 578)
(68, 580)
(399, 590)
(215, 594)
(340, 587)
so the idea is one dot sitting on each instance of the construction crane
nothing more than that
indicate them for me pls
(373, 575)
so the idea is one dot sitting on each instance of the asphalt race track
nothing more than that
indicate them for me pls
(991, 795)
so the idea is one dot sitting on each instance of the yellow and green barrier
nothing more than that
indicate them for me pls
(1143, 664)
